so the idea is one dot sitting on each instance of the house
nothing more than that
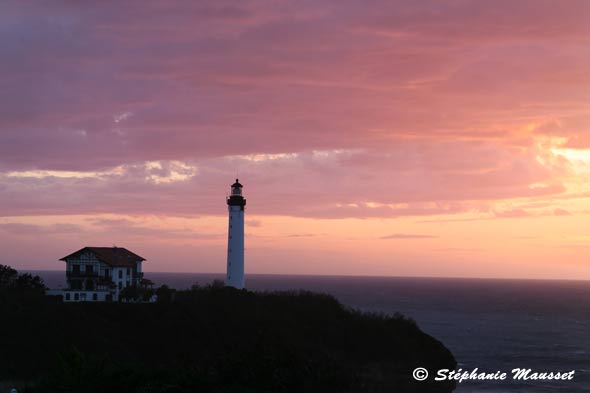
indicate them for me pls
(98, 274)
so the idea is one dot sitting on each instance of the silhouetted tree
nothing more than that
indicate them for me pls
(8, 276)
(29, 282)
(164, 294)
(11, 280)
(129, 293)
(217, 284)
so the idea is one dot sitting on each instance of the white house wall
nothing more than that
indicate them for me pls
(89, 259)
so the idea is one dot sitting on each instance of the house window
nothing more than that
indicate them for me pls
(82, 296)
(76, 296)
(128, 271)
(76, 268)
(94, 297)
(106, 273)
(89, 269)
(120, 285)
(120, 273)
(67, 296)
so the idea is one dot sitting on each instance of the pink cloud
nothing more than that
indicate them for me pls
(452, 112)
(513, 213)
(427, 101)
(408, 236)
(561, 212)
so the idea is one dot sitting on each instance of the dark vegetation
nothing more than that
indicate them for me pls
(209, 339)
(13, 282)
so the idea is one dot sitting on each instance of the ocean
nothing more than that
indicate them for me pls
(491, 325)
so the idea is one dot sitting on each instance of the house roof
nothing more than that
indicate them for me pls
(112, 256)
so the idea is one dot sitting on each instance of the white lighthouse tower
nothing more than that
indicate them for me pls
(235, 240)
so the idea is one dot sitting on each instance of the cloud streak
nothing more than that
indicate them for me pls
(407, 236)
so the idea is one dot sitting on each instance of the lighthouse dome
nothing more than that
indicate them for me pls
(236, 188)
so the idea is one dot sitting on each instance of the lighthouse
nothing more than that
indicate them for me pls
(235, 240)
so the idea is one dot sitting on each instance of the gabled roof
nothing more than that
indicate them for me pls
(112, 256)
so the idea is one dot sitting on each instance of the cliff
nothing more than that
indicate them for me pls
(213, 339)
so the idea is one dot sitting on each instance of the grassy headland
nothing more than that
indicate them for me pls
(212, 339)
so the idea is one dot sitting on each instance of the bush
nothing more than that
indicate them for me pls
(11, 280)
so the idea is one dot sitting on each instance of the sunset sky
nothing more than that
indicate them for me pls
(399, 138)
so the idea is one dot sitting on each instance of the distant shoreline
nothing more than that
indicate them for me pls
(338, 276)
